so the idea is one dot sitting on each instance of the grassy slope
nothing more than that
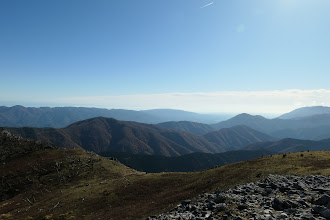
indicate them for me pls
(107, 190)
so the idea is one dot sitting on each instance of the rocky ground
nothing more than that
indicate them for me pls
(273, 197)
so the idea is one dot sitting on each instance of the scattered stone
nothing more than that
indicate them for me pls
(273, 197)
(283, 215)
(185, 202)
(324, 200)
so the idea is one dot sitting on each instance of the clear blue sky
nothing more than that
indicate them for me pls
(54, 49)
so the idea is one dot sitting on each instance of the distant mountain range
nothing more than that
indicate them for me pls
(310, 127)
(104, 134)
(236, 137)
(155, 148)
(315, 133)
(308, 123)
(306, 111)
(315, 127)
(257, 122)
(59, 117)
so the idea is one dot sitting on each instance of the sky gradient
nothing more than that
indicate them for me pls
(115, 53)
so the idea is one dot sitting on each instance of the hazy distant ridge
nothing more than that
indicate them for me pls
(306, 123)
(59, 117)
(306, 111)
(313, 127)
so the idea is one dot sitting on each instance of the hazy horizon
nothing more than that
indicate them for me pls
(228, 114)
(232, 102)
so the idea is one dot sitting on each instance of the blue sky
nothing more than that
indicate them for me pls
(92, 52)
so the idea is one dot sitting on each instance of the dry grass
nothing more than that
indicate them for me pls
(109, 190)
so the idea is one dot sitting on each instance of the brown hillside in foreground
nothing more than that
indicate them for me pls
(46, 183)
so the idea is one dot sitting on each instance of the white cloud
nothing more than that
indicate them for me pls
(274, 101)
(207, 5)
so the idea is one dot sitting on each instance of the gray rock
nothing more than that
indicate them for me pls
(299, 186)
(283, 216)
(242, 207)
(279, 204)
(326, 214)
(220, 207)
(324, 200)
(318, 209)
(220, 198)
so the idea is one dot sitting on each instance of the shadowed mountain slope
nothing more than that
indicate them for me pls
(188, 126)
(235, 137)
(185, 163)
(135, 138)
(56, 136)
(104, 134)
(291, 145)
(316, 133)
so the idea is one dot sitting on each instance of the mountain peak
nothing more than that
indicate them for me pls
(237, 136)
(306, 111)
(247, 116)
